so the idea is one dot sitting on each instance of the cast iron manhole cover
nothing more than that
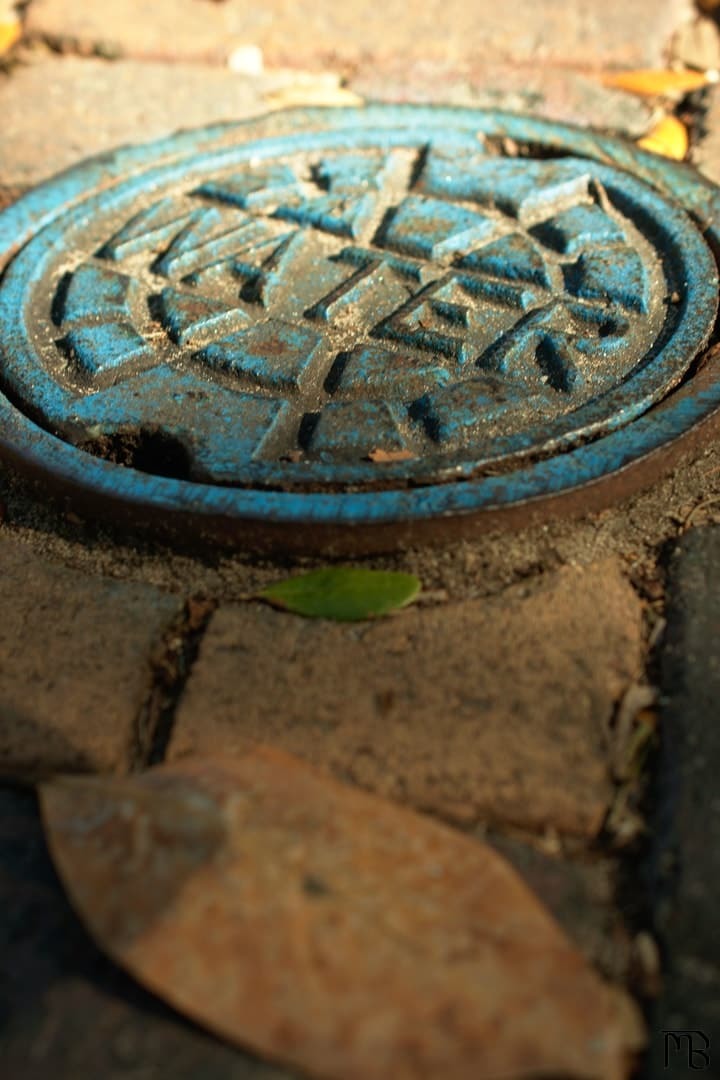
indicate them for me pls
(353, 320)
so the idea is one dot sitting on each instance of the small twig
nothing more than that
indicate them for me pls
(712, 500)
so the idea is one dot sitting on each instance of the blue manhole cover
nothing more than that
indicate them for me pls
(353, 320)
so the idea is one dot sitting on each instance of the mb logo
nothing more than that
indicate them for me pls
(694, 1046)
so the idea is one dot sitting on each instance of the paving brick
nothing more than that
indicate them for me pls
(360, 30)
(552, 92)
(697, 44)
(686, 889)
(58, 110)
(706, 149)
(494, 710)
(75, 664)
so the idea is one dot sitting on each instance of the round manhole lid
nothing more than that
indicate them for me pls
(352, 320)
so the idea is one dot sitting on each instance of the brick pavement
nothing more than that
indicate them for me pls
(686, 823)
(58, 110)
(477, 711)
(542, 749)
(362, 32)
(76, 658)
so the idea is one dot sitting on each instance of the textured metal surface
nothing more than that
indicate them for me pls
(354, 318)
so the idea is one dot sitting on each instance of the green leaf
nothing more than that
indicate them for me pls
(343, 593)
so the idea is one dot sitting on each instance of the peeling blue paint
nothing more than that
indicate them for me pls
(492, 311)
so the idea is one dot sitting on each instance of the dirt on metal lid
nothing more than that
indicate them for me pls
(350, 323)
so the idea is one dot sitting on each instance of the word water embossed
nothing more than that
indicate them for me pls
(351, 321)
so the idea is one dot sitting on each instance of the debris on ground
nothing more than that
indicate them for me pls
(652, 82)
(330, 929)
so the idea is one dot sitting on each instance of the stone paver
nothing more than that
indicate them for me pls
(687, 825)
(697, 44)
(75, 664)
(492, 710)
(58, 110)
(555, 93)
(578, 31)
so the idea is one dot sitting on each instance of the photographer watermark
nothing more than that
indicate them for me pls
(690, 1046)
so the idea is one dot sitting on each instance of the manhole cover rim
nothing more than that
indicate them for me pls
(141, 498)
(41, 452)
(40, 205)
(600, 415)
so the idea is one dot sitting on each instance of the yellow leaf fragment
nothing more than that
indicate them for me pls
(9, 34)
(312, 94)
(669, 138)
(657, 82)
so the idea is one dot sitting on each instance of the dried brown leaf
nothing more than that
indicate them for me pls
(325, 927)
